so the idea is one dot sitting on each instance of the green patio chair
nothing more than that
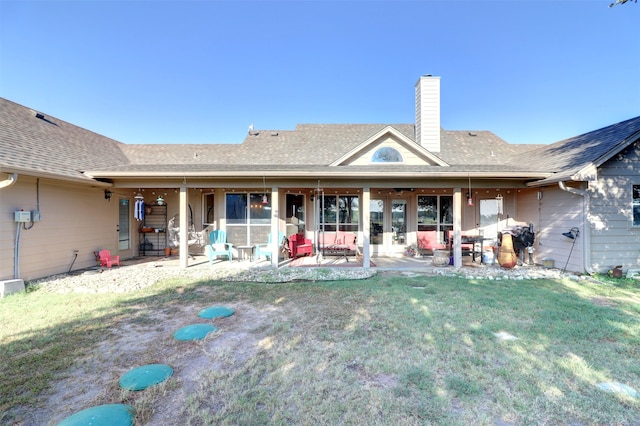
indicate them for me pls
(218, 246)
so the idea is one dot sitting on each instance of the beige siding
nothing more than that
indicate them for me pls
(559, 212)
(614, 241)
(72, 218)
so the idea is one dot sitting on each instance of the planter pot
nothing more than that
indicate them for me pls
(440, 257)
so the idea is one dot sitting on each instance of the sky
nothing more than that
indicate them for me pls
(145, 72)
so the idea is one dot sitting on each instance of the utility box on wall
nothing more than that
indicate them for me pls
(22, 216)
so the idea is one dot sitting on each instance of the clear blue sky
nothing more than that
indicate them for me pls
(203, 71)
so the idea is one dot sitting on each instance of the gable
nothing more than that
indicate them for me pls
(409, 151)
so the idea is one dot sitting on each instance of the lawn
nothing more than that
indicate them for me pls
(392, 349)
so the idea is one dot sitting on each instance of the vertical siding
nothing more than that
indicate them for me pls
(614, 241)
(72, 218)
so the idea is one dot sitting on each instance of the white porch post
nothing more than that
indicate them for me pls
(457, 228)
(184, 228)
(366, 227)
(275, 226)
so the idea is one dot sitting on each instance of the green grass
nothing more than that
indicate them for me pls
(375, 351)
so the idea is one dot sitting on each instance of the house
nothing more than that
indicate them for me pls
(66, 192)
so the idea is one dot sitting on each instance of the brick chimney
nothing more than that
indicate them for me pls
(428, 112)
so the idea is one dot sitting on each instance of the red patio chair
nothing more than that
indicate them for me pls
(300, 246)
(107, 260)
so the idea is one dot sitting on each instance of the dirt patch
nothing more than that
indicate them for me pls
(603, 301)
(132, 343)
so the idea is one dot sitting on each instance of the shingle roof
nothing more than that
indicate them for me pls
(49, 145)
(566, 157)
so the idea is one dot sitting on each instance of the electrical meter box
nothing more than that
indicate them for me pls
(22, 216)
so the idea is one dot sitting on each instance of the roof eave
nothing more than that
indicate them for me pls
(329, 173)
(89, 180)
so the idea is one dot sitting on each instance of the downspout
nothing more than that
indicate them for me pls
(587, 231)
(13, 178)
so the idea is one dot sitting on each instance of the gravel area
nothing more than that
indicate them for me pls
(135, 277)
(126, 279)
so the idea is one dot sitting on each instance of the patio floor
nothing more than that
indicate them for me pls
(379, 263)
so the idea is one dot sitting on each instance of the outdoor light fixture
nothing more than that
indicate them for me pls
(265, 200)
(107, 195)
(160, 200)
(573, 233)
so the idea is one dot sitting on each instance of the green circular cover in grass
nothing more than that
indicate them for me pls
(194, 331)
(101, 415)
(216, 312)
(148, 375)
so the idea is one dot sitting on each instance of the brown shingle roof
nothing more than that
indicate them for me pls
(54, 146)
(49, 145)
(568, 156)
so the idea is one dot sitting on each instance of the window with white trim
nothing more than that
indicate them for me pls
(248, 218)
(635, 205)
(386, 154)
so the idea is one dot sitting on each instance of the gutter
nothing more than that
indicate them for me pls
(314, 174)
(13, 178)
(587, 228)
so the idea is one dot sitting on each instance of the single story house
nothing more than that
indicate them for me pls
(66, 192)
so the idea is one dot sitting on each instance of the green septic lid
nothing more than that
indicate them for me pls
(148, 375)
(216, 312)
(194, 331)
(101, 415)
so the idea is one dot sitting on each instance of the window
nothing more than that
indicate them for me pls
(376, 217)
(248, 218)
(209, 212)
(435, 213)
(340, 213)
(489, 212)
(635, 205)
(123, 225)
(295, 213)
(386, 155)
(427, 213)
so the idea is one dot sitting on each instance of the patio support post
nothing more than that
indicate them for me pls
(457, 227)
(366, 227)
(275, 227)
(184, 227)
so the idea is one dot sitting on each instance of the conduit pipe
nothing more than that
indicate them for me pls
(586, 252)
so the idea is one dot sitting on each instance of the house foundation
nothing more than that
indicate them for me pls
(8, 287)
